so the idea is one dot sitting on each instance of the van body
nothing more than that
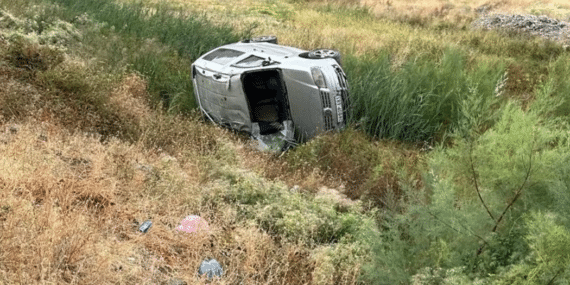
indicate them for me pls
(278, 94)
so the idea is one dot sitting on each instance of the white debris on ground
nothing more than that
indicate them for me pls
(542, 26)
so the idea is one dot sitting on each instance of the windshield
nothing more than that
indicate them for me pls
(223, 56)
(250, 61)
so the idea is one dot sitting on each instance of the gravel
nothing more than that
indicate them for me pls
(542, 26)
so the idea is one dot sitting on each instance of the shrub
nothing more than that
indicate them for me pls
(478, 192)
(547, 263)
(339, 263)
(550, 243)
(295, 216)
(32, 56)
(349, 156)
(365, 169)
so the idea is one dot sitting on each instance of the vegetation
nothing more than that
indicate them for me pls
(421, 99)
(455, 168)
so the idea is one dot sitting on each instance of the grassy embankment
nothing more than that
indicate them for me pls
(441, 211)
(87, 155)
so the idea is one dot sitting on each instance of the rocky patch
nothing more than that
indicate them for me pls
(542, 26)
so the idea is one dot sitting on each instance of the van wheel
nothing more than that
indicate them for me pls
(265, 39)
(324, 53)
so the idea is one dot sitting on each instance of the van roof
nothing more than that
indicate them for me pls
(264, 49)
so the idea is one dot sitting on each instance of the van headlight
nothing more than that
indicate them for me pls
(318, 77)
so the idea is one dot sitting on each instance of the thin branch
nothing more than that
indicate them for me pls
(515, 198)
(451, 227)
(475, 181)
(518, 193)
(555, 275)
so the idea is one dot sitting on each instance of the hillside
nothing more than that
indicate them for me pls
(455, 168)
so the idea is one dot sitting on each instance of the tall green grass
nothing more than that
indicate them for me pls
(159, 42)
(423, 99)
(187, 34)
(552, 98)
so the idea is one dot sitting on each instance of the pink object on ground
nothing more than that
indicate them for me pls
(192, 224)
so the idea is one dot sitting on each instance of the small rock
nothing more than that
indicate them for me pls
(483, 9)
(145, 226)
(150, 172)
(295, 189)
(168, 159)
(14, 129)
(211, 268)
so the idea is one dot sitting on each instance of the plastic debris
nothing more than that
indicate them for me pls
(145, 226)
(192, 224)
(211, 268)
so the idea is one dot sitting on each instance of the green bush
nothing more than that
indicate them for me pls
(369, 170)
(478, 193)
(339, 263)
(336, 232)
(294, 216)
(550, 243)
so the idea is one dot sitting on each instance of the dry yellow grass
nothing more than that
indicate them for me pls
(130, 97)
(426, 8)
(305, 25)
(67, 208)
(70, 202)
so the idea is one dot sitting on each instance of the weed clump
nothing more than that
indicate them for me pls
(33, 57)
(362, 168)
(329, 225)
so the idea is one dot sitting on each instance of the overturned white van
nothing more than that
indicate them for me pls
(278, 94)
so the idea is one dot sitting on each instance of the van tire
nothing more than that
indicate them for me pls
(264, 39)
(324, 53)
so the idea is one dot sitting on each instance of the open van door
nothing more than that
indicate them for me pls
(269, 109)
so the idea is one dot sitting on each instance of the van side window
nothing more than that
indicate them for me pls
(223, 56)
